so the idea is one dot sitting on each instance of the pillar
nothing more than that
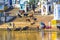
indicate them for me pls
(25, 8)
(13, 2)
(46, 10)
(42, 12)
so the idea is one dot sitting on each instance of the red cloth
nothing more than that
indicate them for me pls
(48, 27)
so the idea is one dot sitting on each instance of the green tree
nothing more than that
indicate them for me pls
(32, 2)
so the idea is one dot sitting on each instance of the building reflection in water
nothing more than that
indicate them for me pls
(29, 35)
(54, 36)
(46, 35)
(49, 35)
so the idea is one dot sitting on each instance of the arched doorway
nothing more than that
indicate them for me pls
(49, 8)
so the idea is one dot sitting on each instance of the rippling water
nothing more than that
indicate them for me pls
(29, 35)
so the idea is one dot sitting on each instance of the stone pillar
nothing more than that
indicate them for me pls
(46, 10)
(25, 8)
(42, 12)
(13, 3)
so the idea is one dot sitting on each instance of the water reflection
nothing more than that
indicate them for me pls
(28, 35)
(46, 35)
(54, 36)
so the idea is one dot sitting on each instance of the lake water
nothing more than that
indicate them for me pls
(29, 35)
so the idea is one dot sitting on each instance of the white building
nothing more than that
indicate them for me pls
(47, 6)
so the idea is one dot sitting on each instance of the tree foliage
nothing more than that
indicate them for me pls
(32, 2)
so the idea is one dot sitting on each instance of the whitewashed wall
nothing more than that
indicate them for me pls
(57, 12)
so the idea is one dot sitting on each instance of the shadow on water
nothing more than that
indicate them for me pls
(25, 35)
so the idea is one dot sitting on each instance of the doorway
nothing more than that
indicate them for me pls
(49, 8)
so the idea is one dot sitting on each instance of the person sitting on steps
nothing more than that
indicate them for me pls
(31, 15)
(28, 19)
